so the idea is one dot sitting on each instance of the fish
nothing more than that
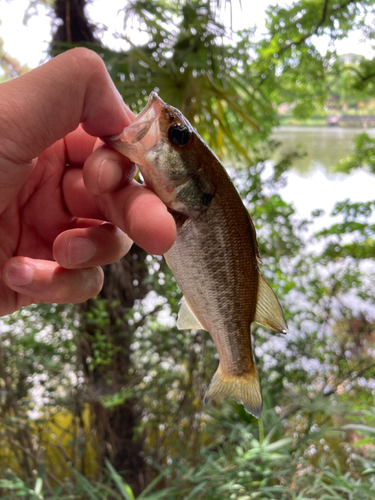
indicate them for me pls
(215, 258)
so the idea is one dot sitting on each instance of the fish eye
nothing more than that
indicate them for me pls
(179, 134)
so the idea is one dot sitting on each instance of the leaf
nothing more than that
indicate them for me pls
(123, 488)
(38, 486)
(89, 489)
(360, 427)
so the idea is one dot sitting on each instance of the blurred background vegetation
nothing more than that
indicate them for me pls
(104, 399)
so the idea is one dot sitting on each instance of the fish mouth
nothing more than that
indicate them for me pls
(140, 138)
(144, 130)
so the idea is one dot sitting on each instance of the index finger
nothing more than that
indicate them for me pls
(133, 208)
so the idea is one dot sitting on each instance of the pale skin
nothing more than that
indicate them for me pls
(68, 204)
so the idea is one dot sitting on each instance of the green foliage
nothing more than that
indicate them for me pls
(247, 461)
(252, 465)
(30, 344)
(111, 487)
(102, 345)
(356, 223)
(196, 66)
(291, 67)
(43, 419)
(362, 156)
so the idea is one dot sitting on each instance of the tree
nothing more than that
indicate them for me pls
(289, 53)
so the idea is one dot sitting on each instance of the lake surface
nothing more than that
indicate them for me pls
(311, 182)
(324, 146)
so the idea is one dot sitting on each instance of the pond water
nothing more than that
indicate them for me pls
(311, 182)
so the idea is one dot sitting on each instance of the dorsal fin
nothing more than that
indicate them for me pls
(186, 318)
(268, 312)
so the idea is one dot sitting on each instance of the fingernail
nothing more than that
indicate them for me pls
(110, 175)
(19, 274)
(80, 250)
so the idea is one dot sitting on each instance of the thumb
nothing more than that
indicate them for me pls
(47, 103)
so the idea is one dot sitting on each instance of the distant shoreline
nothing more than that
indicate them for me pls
(290, 121)
(343, 121)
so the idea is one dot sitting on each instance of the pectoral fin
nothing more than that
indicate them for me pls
(268, 311)
(186, 319)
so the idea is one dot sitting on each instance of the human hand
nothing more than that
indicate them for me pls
(57, 186)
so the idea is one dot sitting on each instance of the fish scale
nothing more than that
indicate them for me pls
(220, 285)
(215, 256)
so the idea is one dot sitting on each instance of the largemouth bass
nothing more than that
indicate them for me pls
(215, 258)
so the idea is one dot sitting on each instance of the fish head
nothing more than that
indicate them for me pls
(170, 155)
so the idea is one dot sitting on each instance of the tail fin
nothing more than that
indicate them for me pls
(244, 389)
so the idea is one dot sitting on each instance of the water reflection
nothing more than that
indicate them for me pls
(323, 146)
(311, 184)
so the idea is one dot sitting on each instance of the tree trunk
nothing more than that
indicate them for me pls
(72, 25)
(105, 353)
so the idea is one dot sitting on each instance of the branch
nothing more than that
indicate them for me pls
(61, 450)
(144, 316)
(359, 74)
(35, 460)
(319, 25)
